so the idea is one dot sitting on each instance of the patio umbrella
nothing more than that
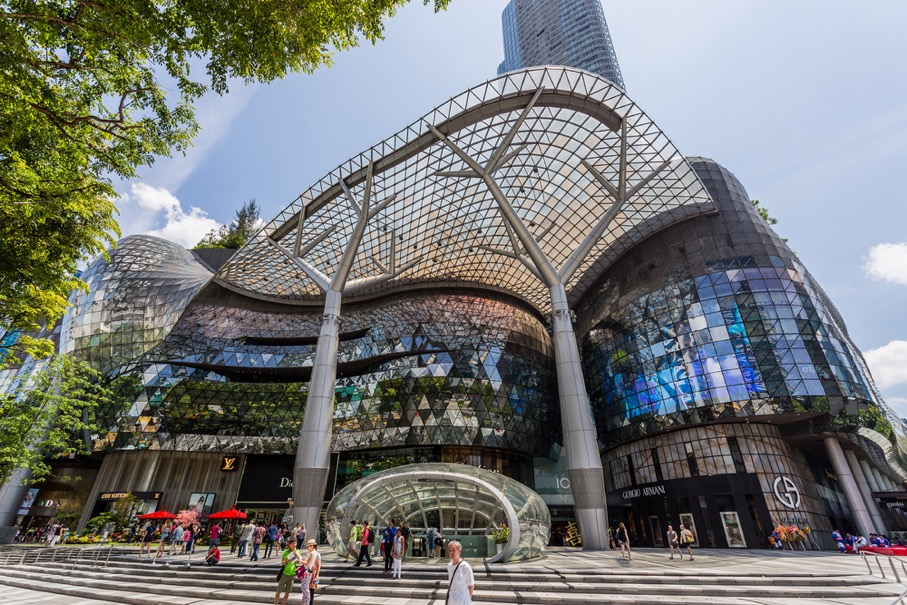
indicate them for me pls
(228, 514)
(158, 514)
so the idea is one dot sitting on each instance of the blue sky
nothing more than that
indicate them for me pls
(805, 102)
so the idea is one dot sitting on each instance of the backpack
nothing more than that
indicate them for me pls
(431, 533)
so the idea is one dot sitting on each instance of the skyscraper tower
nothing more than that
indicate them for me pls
(558, 32)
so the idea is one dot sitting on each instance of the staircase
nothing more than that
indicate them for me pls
(565, 577)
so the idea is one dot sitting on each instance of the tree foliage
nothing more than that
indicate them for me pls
(237, 233)
(91, 90)
(55, 416)
(768, 218)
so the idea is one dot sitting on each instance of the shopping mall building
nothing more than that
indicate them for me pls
(529, 279)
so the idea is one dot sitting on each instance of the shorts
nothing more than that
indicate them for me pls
(285, 583)
(675, 544)
(215, 541)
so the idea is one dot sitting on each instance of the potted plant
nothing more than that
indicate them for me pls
(500, 536)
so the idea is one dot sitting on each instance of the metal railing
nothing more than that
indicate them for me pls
(891, 562)
(895, 564)
(22, 555)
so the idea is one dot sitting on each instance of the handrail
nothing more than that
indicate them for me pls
(23, 555)
(892, 559)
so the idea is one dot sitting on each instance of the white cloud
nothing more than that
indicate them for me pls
(888, 262)
(215, 115)
(888, 364)
(898, 404)
(156, 211)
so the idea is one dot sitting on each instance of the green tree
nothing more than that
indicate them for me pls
(53, 417)
(768, 218)
(237, 232)
(92, 90)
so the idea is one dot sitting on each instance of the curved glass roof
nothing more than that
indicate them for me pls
(562, 145)
(467, 500)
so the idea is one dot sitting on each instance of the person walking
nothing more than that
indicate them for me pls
(244, 534)
(623, 539)
(165, 539)
(687, 539)
(147, 536)
(313, 569)
(258, 537)
(352, 546)
(388, 535)
(397, 549)
(214, 534)
(461, 582)
(430, 536)
(234, 538)
(176, 539)
(187, 539)
(404, 529)
(290, 559)
(364, 547)
(673, 542)
(196, 535)
(270, 539)
(53, 535)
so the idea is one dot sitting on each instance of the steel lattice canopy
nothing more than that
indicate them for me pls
(546, 131)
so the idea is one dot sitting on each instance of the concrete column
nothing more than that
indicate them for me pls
(584, 464)
(863, 485)
(849, 485)
(870, 477)
(12, 493)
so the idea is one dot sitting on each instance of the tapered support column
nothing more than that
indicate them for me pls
(851, 492)
(584, 465)
(12, 493)
(866, 491)
(313, 455)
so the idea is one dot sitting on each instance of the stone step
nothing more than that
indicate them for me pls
(127, 598)
(333, 574)
(498, 592)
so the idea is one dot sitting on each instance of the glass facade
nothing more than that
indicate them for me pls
(426, 369)
(716, 319)
(559, 32)
(132, 301)
(735, 342)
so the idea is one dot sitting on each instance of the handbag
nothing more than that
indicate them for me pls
(280, 573)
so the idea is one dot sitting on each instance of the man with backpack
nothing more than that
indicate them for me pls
(431, 542)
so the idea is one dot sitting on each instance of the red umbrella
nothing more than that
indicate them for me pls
(228, 514)
(158, 514)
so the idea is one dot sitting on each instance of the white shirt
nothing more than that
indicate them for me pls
(245, 532)
(459, 588)
(313, 558)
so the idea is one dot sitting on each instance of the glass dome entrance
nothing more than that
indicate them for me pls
(463, 502)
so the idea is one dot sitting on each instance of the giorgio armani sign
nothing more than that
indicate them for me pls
(649, 490)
